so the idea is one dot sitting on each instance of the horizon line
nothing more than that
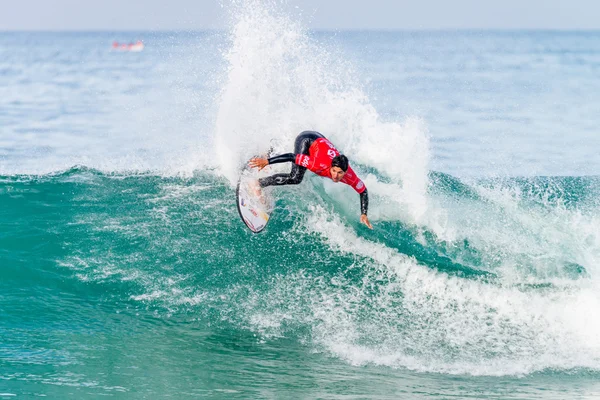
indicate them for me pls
(333, 30)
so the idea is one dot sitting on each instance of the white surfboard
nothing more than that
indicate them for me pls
(254, 209)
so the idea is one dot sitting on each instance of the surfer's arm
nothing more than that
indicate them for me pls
(364, 202)
(358, 185)
(260, 163)
(287, 157)
(302, 160)
(364, 206)
(350, 178)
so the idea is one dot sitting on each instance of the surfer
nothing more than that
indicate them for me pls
(314, 152)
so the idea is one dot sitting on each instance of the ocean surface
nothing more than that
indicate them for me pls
(126, 272)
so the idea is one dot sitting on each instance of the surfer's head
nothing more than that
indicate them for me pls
(339, 166)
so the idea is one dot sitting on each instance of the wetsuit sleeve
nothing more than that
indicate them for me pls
(364, 202)
(288, 157)
(351, 179)
(304, 160)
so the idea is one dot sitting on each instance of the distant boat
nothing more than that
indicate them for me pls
(137, 46)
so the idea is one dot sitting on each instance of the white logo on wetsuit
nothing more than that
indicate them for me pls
(331, 153)
(305, 161)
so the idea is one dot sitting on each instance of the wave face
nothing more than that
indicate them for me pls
(121, 248)
(504, 289)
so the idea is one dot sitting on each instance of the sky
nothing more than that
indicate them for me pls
(61, 15)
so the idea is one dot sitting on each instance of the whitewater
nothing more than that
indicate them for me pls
(125, 270)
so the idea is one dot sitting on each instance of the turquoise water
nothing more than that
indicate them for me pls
(126, 272)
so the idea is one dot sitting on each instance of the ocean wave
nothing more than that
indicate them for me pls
(401, 295)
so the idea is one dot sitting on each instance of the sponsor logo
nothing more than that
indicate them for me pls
(331, 153)
(243, 203)
(254, 212)
(304, 161)
(360, 185)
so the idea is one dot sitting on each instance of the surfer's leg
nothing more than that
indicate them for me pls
(301, 146)
(293, 178)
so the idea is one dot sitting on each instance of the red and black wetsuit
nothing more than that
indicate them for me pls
(314, 152)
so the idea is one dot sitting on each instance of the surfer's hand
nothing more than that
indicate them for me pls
(365, 220)
(259, 163)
